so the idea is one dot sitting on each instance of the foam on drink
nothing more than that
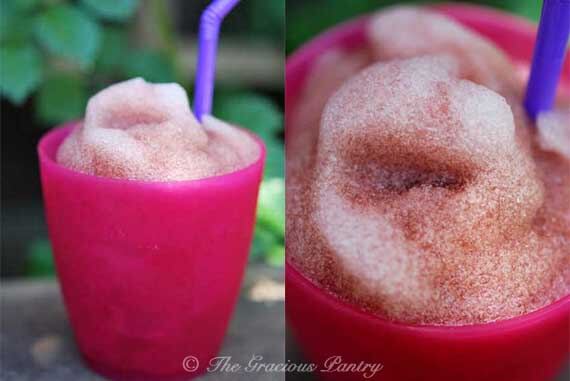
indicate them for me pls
(425, 204)
(330, 71)
(141, 131)
(405, 32)
(554, 131)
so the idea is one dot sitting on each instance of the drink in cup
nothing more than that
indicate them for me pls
(428, 219)
(150, 214)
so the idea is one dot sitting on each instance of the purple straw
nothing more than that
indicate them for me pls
(549, 52)
(210, 22)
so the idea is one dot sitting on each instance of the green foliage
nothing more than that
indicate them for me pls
(68, 32)
(39, 261)
(250, 110)
(276, 256)
(526, 8)
(152, 66)
(271, 212)
(114, 48)
(263, 241)
(83, 45)
(14, 26)
(267, 18)
(26, 5)
(115, 10)
(61, 97)
(20, 71)
(274, 159)
(269, 236)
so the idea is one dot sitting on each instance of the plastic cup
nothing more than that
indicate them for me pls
(531, 347)
(150, 271)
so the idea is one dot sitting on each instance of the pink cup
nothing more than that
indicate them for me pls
(150, 271)
(531, 347)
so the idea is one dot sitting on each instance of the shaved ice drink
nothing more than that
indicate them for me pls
(426, 199)
(150, 215)
(428, 205)
(424, 195)
(140, 131)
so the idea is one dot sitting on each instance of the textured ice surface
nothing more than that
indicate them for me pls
(141, 131)
(405, 32)
(423, 202)
(554, 131)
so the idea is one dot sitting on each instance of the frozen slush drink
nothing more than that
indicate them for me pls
(150, 215)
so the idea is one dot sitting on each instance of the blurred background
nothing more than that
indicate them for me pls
(55, 54)
(306, 19)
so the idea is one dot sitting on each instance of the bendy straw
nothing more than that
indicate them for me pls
(210, 23)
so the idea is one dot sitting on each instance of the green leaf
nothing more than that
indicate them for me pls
(40, 260)
(271, 206)
(274, 159)
(276, 256)
(267, 18)
(70, 33)
(252, 111)
(15, 25)
(270, 225)
(529, 9)
(20, 71)
(61, 98)
(151, 65)
(26, 5)
(114, 10)
(114, 49)
(263, 241)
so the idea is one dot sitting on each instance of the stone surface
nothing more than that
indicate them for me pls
(37, 342)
